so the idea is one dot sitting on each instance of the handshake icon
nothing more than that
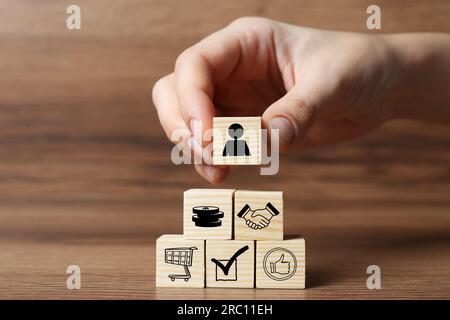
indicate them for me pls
(259, 218)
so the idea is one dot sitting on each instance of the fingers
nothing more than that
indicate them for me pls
(187, 96)
(185, 99)
(214, 174)
(197, 70)
(166, 104)
(290, 118)
(296, 112)
(300, 118)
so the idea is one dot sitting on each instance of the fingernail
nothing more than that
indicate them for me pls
(196, 130)
(188, 143)
(209, 173)
(186, 146)
(286, 129)
(196, 149)
(208, 154)
(192, 125)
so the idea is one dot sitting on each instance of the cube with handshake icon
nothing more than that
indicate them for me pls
(258, 215)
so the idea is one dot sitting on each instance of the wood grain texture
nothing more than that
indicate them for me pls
(86, 176)
(281, 264)
(239, 272)
(220, 198)
(251, 137)
(173, 254)
(257, 204)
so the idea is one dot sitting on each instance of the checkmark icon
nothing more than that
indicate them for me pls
(226, 268)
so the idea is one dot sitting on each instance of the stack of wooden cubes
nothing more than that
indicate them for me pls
(231, 238)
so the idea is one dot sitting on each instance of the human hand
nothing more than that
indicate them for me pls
(317, 87)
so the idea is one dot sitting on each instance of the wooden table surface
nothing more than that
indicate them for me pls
(86, 176)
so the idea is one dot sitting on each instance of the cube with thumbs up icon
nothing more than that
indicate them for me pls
(281, 263)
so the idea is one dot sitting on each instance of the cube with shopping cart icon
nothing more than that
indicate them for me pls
(180, 262)
(181, 256)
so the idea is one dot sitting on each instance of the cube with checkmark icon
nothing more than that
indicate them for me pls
(230, 263)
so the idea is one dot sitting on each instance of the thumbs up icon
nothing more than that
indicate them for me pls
(280, 266)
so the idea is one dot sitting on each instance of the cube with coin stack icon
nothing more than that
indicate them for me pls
(208, 214)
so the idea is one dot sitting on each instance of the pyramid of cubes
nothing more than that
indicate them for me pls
(232, 238)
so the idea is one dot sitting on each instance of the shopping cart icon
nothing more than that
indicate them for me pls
(180, 256)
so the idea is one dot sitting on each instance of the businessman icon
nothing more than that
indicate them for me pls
(236, 147)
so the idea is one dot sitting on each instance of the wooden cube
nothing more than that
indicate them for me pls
(237, 140)
(258, 215)
(208, 214)
(281, 264)
(180, 262)
(230, 263)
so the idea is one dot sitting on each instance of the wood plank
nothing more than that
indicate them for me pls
(86, 176)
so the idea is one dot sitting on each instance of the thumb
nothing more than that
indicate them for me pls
(281, 259)
(293, 115)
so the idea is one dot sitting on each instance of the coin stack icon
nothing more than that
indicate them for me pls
(207, 216)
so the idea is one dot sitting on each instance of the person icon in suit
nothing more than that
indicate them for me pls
(236, 147)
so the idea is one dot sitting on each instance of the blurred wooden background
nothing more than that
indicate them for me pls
(86, 176)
